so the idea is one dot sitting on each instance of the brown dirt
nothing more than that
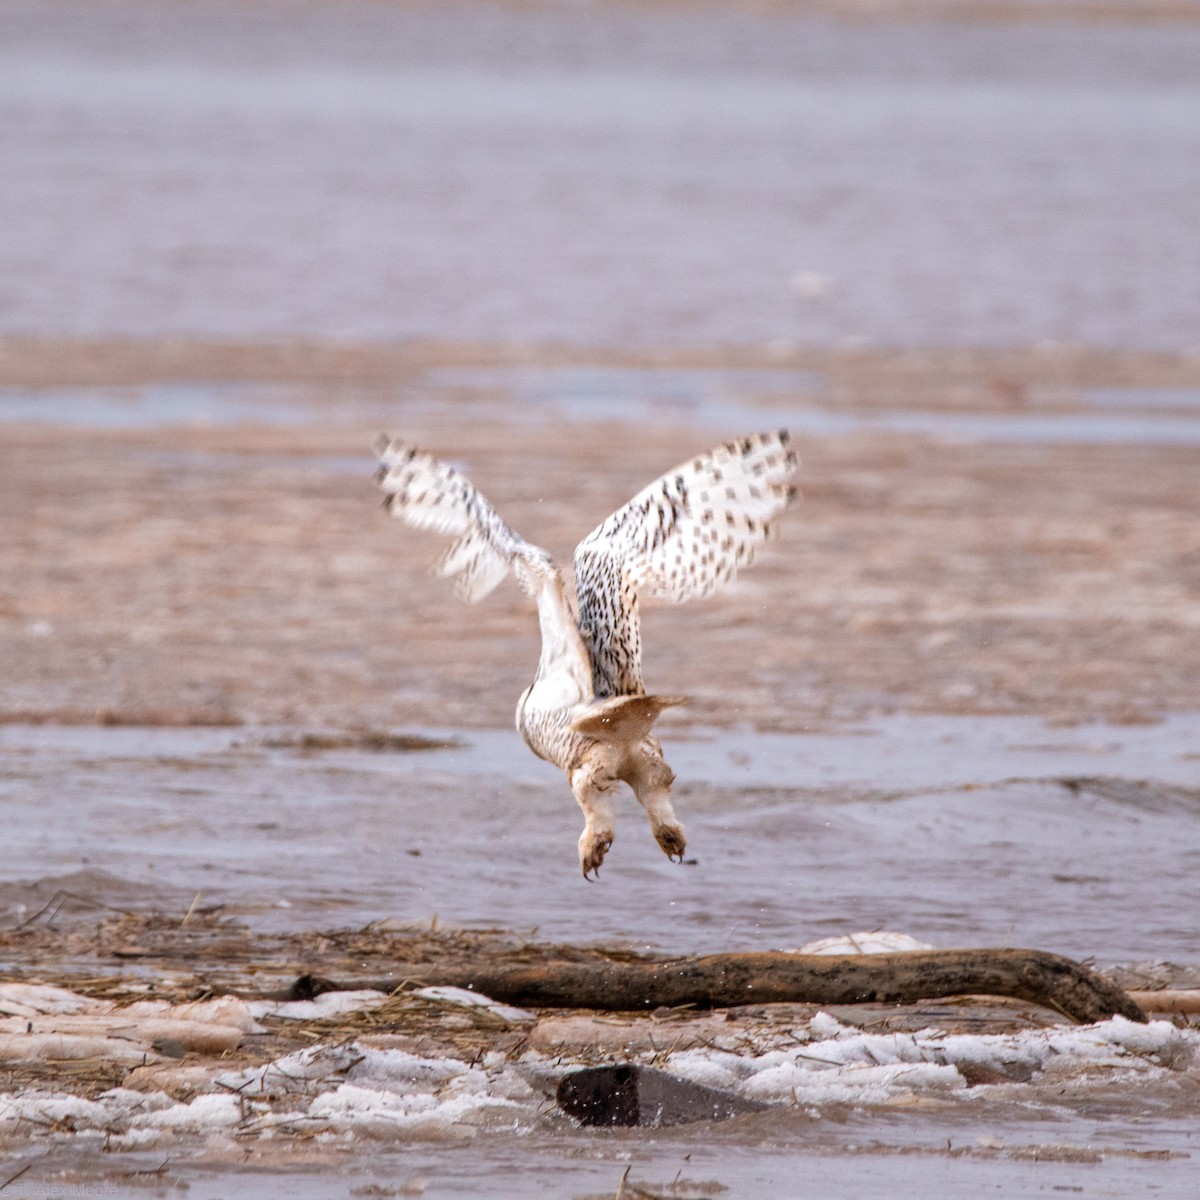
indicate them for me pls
(200, 575)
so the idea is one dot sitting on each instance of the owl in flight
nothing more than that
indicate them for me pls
(587, 710)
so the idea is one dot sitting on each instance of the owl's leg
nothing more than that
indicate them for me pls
(593, 785)
(650, 777)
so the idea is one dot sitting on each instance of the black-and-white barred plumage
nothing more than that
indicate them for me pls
(680, 538)
(429, 494)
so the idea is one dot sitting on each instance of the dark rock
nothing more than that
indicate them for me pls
(983, 1075)
(626, 1094)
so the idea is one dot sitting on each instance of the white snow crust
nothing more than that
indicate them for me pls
(353, 1089)
(839, 1064)
(324, 1006)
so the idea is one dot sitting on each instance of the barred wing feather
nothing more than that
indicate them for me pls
(678, 539)
(427, 493)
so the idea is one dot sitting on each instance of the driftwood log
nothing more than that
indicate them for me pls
(1186, 1001)
(726, 980)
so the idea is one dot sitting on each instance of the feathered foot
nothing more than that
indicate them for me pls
(669, 835)
(650, 777)
(593, 846)
(593, 784)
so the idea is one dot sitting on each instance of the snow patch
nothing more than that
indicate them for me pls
(39, 999)
(469, 999)
(205, 1114)
(354, 1089)
(838, 1063)
(326, 1005)
(387, 1114)
(877, 941)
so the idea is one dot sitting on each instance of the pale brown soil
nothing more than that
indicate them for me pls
(195, 575)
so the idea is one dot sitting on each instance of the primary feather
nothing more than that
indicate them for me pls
(678, 539)
(427, 493)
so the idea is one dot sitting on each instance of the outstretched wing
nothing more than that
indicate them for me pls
(678, 539)
(427, 493)
(430, 494)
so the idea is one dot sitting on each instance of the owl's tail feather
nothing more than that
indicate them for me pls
(623, 719)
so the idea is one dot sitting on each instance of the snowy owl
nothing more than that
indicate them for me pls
(682, 537)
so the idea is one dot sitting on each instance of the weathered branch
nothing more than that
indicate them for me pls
(1168, 1001)
(725, 980)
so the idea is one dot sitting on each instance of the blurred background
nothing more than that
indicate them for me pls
(567, 245)
(953, 245)
(603, 174)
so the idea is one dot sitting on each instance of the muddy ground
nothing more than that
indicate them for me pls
(245, 574)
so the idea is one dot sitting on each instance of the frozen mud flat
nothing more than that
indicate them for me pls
(1043, 1107)
(831, 1089)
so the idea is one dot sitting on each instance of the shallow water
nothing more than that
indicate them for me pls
(958, 831)
(151, 406)
(880, 1157)
(613, 176)
(723, 401)
(1135, 397)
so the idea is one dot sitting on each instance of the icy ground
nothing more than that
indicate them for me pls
(365, 1088)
